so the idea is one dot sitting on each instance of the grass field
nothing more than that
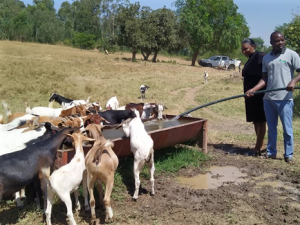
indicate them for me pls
(31, 72)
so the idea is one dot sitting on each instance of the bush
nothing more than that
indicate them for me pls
(84, 41)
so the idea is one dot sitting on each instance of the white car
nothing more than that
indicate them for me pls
(219, 60)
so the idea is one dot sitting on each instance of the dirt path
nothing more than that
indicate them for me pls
(190, 94)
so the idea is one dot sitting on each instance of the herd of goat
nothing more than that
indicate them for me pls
(29, 143)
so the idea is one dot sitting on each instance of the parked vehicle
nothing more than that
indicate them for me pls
(220, 60)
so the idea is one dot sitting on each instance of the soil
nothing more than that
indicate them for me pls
(269, 196)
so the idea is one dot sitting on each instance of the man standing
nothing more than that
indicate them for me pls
(278, 71)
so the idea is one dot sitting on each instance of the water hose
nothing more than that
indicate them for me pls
(229, 98)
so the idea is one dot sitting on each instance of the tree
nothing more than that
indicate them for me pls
(259, 44)
(130, 33)
(66, 15)
(292, 34)
(165, 33)
(212, 25)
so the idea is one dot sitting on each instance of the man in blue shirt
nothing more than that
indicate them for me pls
(278, 71)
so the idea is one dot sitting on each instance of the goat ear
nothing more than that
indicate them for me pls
(68, 134)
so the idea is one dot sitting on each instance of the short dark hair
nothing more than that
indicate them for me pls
(249, 41)
(275, 32)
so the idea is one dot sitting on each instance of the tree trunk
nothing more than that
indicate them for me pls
(154, 57)
(133, 56)
(195, 55)
(146, 55)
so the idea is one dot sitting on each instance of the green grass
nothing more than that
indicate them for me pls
(167, 161)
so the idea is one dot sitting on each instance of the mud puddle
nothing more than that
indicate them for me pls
(216, 177)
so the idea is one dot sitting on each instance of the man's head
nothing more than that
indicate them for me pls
(277, 41)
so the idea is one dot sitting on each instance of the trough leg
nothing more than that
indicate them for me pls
(202, 137)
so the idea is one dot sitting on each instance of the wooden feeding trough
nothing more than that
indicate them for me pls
(164, 133)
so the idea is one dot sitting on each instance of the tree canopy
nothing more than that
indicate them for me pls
(212, 25)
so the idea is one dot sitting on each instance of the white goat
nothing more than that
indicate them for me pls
(15, 123)
(205, 77)
(141, 145)
(112, 103)
(43, 111)
(66, 180)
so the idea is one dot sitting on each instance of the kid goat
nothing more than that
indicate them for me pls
(101, 163)
(66, 180)
(141, 145)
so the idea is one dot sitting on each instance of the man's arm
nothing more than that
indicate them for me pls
(292, 83)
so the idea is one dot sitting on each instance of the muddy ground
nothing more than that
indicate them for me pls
(267, 195)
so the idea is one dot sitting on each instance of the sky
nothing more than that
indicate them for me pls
(262, 16)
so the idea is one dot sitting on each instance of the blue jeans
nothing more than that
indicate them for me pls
(283, 109)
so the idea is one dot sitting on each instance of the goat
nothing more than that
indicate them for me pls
(60, 99)
(205, 77)
(141, 145)
(143, 89)
(74, 110)
(66, 180)
(15, 123)
(18, 169)
(147, 110)
(43, 111)
(112, 103)
(101, 163)
(115, 116)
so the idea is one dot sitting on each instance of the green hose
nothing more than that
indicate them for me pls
(225, 99)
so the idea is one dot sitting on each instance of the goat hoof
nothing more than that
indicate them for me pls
(87, 209)
(95, 222)
(151, 194)
(134, 199)
(110, 220)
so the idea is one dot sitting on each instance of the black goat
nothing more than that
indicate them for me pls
(114, 116)
(18, 169)
(59, 99)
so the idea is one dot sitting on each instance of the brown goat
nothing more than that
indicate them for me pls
(74, 110)
(101, 163)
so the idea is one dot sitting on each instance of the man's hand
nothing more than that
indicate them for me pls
(291, 85)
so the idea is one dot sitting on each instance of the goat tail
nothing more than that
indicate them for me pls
(97, 156)
(28, 110)
(46, 175)
(1, 119)
(6, 108)
(88, 100)
(150, 156)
